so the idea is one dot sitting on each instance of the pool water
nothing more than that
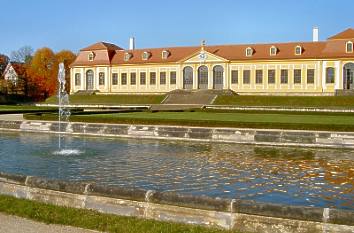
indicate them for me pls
(295, 176)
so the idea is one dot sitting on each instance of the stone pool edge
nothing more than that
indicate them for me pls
(272, 137)
(241, 215)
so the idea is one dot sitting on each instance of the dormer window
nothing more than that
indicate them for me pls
(249, 52)
(146, 55)
(91, 56)
(273, 51)
(165, 54)
(127, 56)
(349, 47)
(298, 50)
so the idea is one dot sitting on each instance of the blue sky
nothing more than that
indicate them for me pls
(74, 24)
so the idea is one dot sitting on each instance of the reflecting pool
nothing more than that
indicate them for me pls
(295, 176)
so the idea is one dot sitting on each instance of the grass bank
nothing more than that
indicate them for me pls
(93, 220)
(221, 119)
(288, 101)
(110, 99)
(4, 109)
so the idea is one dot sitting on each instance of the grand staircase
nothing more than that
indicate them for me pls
(189, 99)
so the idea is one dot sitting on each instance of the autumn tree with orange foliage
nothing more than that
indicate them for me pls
(43, 71)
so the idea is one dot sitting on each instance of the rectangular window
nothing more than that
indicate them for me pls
(259, 76)
(132, 78)
(101, 78)
(173, 77)
(297, 76)
(310, 76)
(246, 76)
(284, 77)
(152, 78)
(163, 78)
(114, 79)
(234, 76)
(271, 76)
(77, 79)
(142, 78)
(123, 77)
(329, 75)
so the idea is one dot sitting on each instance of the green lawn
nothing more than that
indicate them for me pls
(110, 99)
(288, 101)
(251, 120)
(94, 220)
(23, 109)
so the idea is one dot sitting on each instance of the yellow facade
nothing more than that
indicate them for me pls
(295, 74)
(317, 88)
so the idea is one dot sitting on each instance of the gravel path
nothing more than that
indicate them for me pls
(13, 224)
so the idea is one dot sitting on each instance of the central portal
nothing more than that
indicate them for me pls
(348, 76)
(89, 80)
(203, 77)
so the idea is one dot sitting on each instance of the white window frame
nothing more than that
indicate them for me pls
(145, 56)
(165, 54)
(346, 47)
(275, 52)
(91, 56)
(127, 56)
(249, 49)
(296, 48)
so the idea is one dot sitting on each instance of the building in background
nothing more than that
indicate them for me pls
(13, 78)
(297, 68)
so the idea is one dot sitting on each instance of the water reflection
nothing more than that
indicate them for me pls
(312, 177)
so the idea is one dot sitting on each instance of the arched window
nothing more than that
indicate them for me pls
(127, 56)
(91, 56)
(218, 77)
(349, 47)
(188, 77)
(165, 54)
(298, 50)
(89, 80)
(146, 55)
(273, 51)
(249, 52)
(329, 75)
(203, 77)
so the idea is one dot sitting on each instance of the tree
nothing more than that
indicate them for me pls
(4, 60)
(43, 73)
(23, 55)
(67, 57)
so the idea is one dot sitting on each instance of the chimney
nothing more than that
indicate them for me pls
(131, 43)
(315, 34)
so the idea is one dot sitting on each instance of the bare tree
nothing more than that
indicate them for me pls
(23, 54)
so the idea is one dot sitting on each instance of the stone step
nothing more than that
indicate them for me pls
(200, 97)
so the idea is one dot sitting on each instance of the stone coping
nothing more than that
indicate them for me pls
(272, 137)
(313, 214)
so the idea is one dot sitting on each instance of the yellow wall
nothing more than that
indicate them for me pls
(318, 87)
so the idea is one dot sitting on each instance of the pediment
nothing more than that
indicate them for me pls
(203, 56)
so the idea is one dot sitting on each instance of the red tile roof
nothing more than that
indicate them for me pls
(332, 48)
(347, 34)
(102, 46)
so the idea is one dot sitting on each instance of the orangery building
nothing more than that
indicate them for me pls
(296, 68)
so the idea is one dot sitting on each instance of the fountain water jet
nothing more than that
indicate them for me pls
(63, 110)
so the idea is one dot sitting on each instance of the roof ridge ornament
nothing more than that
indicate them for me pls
(202, 44)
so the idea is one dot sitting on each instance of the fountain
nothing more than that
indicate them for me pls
(63, 111)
